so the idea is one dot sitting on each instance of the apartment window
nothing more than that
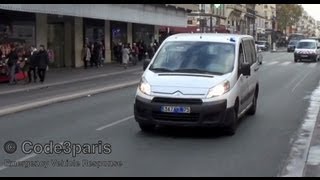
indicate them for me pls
(266, 14)
(266, 6)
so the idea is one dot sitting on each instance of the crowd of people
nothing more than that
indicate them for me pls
(138, 51)
(29, 61)
(93, 54)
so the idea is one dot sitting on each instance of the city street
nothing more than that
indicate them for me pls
(260, 147)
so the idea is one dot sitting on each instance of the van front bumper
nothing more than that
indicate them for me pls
(202, 115)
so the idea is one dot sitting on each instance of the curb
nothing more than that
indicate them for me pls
(312, 166)
(68, 81)
(40, 103)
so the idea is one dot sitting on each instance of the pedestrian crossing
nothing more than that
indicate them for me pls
(289, 63)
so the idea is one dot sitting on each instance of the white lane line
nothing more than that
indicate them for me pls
(271, 63)
(299, 156)
(312, 65)
(285, 63)
(304, 77)
(115, 123)
(19, 160)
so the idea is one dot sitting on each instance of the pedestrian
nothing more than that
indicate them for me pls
(142, 50)
(102, 55)
(33, 64)
(24, 56)
(125, 55)
(95, 55)
(86, 55)
(43, 62)
(135, 53)
(12, 64)
(120, 48)
(151, 50)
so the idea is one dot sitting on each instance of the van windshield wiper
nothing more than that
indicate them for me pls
(197, 71)
(160, 69)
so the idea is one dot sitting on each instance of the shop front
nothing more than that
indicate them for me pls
(118, 35)
(144, 33)
(16, 28)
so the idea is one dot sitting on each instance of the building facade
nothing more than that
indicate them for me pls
(65, 28)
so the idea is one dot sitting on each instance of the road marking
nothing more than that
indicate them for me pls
(312, 65)
(272, 63)
(115, 123)
(300, 81)
(19, 160)
(299, 153)
(285, 63)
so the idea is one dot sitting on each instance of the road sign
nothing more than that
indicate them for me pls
(217, 5)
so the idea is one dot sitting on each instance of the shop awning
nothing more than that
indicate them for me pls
(153, 14)
(171, 29)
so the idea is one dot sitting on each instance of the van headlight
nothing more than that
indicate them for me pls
(145, 87)
(219, 89)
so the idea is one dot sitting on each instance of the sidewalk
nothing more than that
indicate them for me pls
(69, 75)
(280, 49)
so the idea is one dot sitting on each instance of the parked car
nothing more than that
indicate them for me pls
(263, 45)
(307, 49)
(202, 80)
(292, 45)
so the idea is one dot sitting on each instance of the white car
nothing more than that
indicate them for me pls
(307, 49)
(199, 80)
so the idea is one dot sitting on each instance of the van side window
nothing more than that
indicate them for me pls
(248, 51)
(254, 52)
(241, 59)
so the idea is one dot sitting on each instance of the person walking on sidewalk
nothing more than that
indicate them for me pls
(12, 64)
(86, 55)
(43, 62)
(125, 56)
(32, 64)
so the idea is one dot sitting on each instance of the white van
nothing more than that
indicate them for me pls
(307, 49)
(199, 80)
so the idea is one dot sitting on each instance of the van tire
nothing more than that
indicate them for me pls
(253, 108)
(147, 127)
(232, 118)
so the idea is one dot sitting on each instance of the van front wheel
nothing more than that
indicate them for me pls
(253, 107)
(147, 127)
(232, 118)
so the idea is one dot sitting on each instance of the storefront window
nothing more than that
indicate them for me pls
(118, 35)
(93, 30)
(143, 32)
(17, 28)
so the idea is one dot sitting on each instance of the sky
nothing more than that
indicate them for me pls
(312, 10)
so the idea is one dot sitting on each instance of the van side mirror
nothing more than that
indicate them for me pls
(146, 63)
(246, 69)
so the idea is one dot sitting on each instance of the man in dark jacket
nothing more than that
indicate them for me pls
(42, 62)
(32, 65)
(12, 64)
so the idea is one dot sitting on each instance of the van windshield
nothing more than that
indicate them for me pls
(195, 57)
(306, 45)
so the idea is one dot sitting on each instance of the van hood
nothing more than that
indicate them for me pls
(187, 84)
(305, 51)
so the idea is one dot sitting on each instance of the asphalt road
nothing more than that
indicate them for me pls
(259, 148)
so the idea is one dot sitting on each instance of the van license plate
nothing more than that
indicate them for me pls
(304, 56)
(175, 109)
